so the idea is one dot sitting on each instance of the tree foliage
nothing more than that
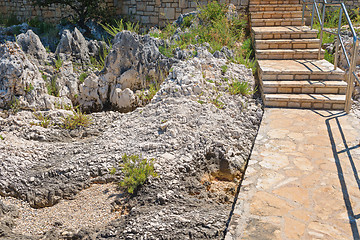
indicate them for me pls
(83, 9)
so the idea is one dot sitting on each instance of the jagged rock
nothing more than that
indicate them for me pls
(31, 44)
(19, 78)
(133, 60)
(74, 44)
(89, 98)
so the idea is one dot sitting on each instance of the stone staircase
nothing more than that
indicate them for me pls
(289, 69)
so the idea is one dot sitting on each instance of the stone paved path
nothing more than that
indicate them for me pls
(302, 181)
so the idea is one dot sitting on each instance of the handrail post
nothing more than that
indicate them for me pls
(350, 78)
(312, 14)
(303, 13)
(338, 41)
(322, 29)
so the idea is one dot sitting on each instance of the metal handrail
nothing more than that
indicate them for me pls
(350, 74)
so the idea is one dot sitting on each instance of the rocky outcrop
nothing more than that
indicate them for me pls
(20, 80)
(73, 44)
(31, 44)
(199, 134)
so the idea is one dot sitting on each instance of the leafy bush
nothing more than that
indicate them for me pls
(76, 120)
(242, 88)
(136, 170)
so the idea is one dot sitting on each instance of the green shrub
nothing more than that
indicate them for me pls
(242, 88)
(82, 77)
(76, 120)
(224, 69)
(136, 170)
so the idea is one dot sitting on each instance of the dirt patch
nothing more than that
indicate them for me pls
(90, 208)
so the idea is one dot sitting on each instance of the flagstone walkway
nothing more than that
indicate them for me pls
(302, 180)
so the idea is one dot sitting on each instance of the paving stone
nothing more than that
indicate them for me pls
(300, 196)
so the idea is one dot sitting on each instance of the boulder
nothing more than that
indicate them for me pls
(31, 44)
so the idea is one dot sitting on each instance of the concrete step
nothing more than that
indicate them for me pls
(283, 32)
(314, 87)
(273, 70)
(273, 2)
(276, 15)
(276, 22)
(278, 54)
(273, 8)
(287, 44)
(310, 101)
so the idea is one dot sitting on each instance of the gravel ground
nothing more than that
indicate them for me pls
(90, 208)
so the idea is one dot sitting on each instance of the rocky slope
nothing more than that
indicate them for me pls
(199, 134)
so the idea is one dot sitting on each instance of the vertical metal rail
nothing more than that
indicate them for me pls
(350, 74)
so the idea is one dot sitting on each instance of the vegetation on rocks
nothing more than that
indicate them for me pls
(76, 120)
(136, 171)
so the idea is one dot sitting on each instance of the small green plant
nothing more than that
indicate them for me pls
(29, 88)
(218, 103)
(52, 86)
(58, 63)
(44, 121)
(329, 57)
(243, 88)
(11, 20)
(103, 53)
(136, 170)
(2, 138)
(201, 101)
(224, 68)
(75, 120)
(82, 77)
(15, 105)
(119, 26)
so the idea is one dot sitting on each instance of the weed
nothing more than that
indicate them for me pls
(15, 106)
(217, 102)
(76, 120)
(58, 63)
(104, 52)
(2, 138)
(136, 170)
(119, 26)
(44, 121)
(224, 68)
(29, 88)
(82, 77)
(201, 101)
(11, 20)
(243, 88)
(52, 87)
(329, 57)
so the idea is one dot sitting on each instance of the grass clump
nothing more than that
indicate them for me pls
(75, 120)
(58, 63)
(243, 88)
(136, 170)
(82, 77)
(218, 103)
(120, 26)
(29, 88)
(224, 68)
(44, 121)
(52, 87)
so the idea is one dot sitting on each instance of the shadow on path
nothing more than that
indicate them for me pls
(335, 118)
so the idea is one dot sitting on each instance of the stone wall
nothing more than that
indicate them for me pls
(159, 12)
(148, 12)
(24, 10)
